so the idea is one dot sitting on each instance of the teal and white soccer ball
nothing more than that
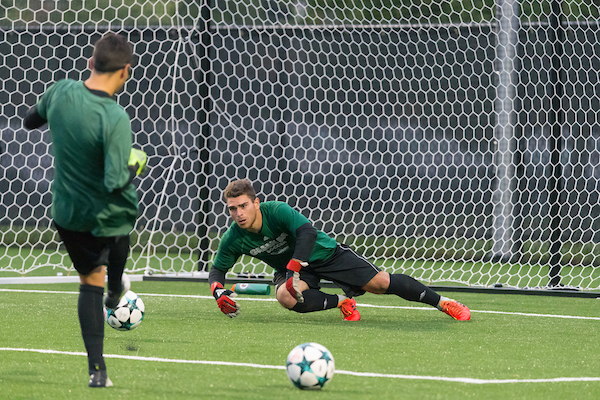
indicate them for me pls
(310, 366)
(128, 314)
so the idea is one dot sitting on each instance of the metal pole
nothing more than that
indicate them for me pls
(506, 51)
(204, 50)
(556, 37)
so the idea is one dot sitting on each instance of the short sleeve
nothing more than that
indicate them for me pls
(289, 219)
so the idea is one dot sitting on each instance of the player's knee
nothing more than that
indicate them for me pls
(285, 298)
(95, 277)
(287, 304)
(379, 284)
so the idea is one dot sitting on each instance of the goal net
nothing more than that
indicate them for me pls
(457, 142)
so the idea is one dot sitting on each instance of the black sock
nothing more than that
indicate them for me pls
(412, 290)
(315, 300)
(91, 320)
(117, 258)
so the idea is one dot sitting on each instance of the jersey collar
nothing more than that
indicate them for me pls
(99, 93)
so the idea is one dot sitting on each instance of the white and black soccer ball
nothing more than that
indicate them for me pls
(128, 314)
(310, 366)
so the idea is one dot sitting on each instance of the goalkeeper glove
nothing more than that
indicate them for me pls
(224, 300)
(137, 162)
(293, 279)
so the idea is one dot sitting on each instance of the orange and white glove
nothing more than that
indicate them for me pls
(293, 279)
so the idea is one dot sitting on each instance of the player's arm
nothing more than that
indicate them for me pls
(33, 119)
(38, 114)
(224, 297)
(122, 163)
(306, 237)
(224, 260)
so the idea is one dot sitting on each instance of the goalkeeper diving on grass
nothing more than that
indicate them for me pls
(94, 203)
(302, 256)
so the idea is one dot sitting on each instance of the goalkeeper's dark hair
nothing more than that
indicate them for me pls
(112, 53)
(239, 188)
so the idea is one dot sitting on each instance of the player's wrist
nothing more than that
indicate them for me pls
(295, 265)
(214, 286)
(137, 161)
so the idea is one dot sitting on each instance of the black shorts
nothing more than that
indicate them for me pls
(88, 252)
(345, 268)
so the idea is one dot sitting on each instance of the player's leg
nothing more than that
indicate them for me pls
(118, 283)
(404, 286)
(91, 319)
(353, 271)
(412, 290)
(314, 299)
(89, 259)
(348, 271)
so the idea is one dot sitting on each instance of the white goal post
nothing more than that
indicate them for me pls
(457, 142)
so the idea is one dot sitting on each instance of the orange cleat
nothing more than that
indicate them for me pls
(455, 309)
(348, 310)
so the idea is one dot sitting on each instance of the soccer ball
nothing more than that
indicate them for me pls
(128, 314)
(310, 366)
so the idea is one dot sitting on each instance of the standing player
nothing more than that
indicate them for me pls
(301, 256)
(94, 204)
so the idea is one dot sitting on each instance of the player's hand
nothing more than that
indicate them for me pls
(137, 161)
(293, 280)
(224, 300)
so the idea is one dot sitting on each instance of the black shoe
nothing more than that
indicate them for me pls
(112, 299)
(99, 379)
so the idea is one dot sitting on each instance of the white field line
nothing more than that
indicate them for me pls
(341, 372)
(191, 296)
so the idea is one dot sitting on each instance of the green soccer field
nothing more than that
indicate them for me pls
(515, 347)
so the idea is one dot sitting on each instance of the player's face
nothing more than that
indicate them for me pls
(245, 212)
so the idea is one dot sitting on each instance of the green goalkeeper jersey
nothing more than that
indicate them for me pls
(91, 142)
(276, 241)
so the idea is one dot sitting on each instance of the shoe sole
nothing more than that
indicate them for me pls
(108, 383)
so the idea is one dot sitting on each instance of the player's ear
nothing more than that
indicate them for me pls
(91, 63)
(126, 72)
